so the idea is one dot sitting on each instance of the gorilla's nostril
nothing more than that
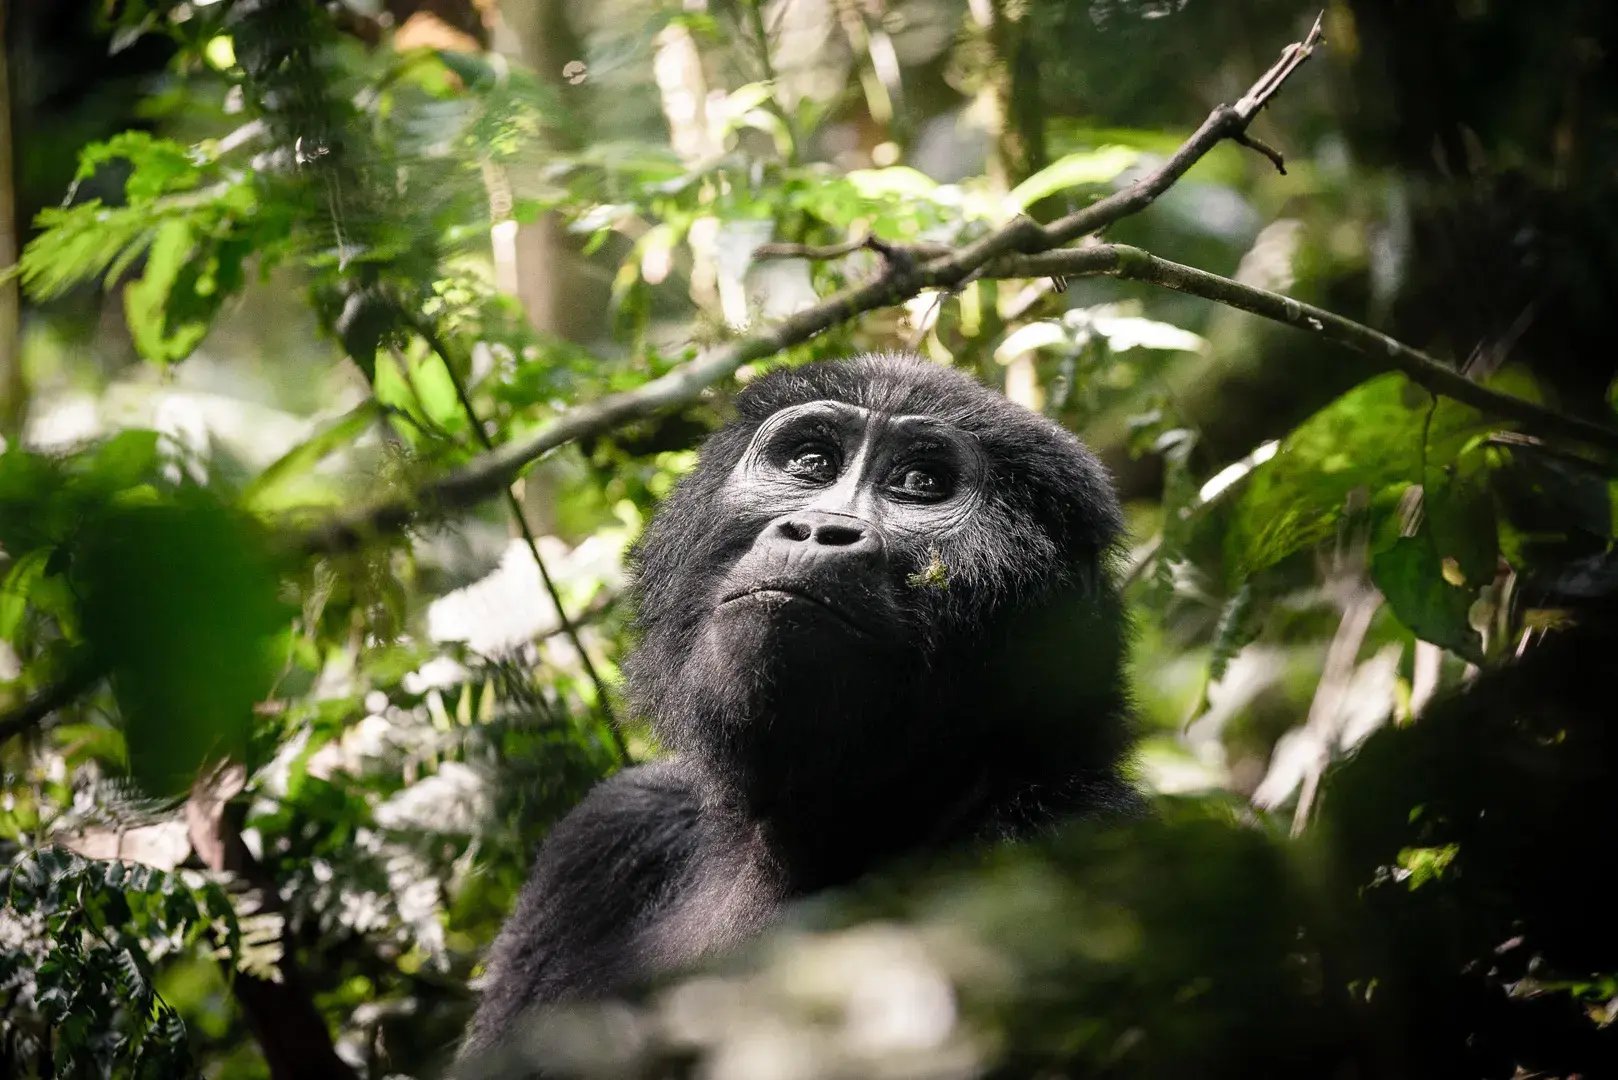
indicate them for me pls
(795, 530)
(839, 535)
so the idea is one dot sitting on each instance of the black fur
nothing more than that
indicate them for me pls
(962, 679)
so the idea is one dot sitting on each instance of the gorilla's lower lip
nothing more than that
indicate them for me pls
(790, 592)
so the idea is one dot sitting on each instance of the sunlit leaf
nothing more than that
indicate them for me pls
(1087, 167)
(279, 484)
(435, 390)
(1410, 575)
(156, 166)
(77, 244)
(1374, 439)
(1124, 332)
(168, 312)
(899, 180)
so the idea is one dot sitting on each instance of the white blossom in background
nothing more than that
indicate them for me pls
(1268, 264)
(186, 445)
(455, 799)
(63, 421)
(509, 607)
(782, 287)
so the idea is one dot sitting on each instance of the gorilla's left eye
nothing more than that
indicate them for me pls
(923, 483)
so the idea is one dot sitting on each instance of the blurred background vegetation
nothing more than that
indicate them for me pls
(269, 786)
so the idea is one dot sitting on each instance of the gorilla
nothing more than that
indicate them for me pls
(878, 618)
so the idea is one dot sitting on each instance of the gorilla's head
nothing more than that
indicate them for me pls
(882, 571)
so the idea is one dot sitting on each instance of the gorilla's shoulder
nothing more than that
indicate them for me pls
(641, 806)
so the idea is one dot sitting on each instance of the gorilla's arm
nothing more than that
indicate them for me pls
(600, 882)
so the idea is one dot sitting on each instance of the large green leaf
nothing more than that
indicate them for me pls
(1381, 435)
(180, 606)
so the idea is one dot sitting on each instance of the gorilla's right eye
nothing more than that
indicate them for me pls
(812, 464)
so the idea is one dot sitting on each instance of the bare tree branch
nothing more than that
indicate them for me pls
(297, 1044)
(906, 271)
(1022, 247)
(1120, 260)
(1270, 83)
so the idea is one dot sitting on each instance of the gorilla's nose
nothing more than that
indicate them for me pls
(817, 534)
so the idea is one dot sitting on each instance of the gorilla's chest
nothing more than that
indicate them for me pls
(728, 891)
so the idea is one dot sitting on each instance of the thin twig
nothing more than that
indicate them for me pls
(1270, 83)
(1252, 142)
(867, 242)
(429, 334)
(1324, 723)
(818, 252)
(82, 675)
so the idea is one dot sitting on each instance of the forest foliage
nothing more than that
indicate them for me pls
(311, 546)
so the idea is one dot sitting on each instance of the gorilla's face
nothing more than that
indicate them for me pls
(852, 501)
(843, 575)
(828, 603)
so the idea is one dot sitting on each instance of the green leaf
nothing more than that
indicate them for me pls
(1424, 864)
(278, 486)
(128, 459)
(78, 243)
(1369, 440)
(1089, 167)
(180, 606)
(1234, 630)
(156, 166)
(1410, 574)
(172, 305)
(14, 591)
(894, 181)
(435, 390)
(146, 300)
(1459, 507)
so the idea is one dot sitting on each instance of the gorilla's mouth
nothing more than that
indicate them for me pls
(786, 591)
